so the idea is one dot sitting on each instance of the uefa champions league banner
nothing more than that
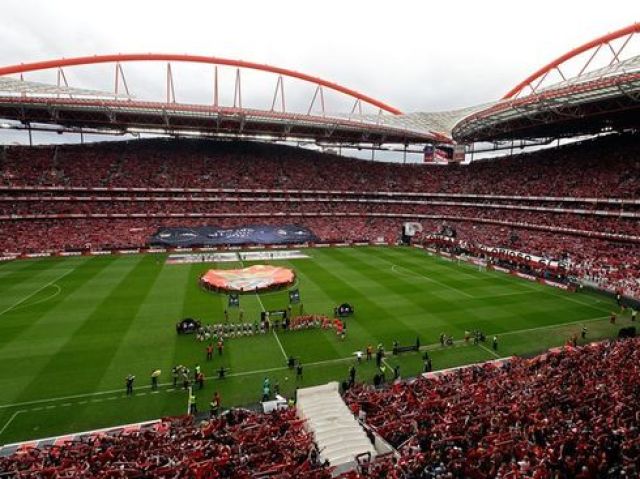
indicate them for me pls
(213, 236)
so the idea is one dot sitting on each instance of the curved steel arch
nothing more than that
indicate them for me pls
(604, 39)
(132, 57)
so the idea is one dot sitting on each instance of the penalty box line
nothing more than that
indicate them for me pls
(429, 347)
(15, 414)
(53, 281)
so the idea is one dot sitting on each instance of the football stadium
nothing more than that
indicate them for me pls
(276, 274)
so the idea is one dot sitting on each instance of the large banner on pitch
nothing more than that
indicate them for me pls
(213, 236)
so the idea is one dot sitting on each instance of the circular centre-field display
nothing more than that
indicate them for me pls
(255, 278)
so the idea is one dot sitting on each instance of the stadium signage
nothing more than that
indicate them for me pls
(526, 276)
(501, 269)
(555, 285)
(246, 235)
(529, 258)
(476, 261)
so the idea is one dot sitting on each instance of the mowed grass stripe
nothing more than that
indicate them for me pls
(463, 313)
(438, 314)
(313, 345)
(92, 342)
(17, 267)
(420, 292)
(448, 272)
(26, 331)
(239, 354)
(333, 285)
(19, 286)
(150, 340)
(588, 301)
(328, 279)
(247, 353)
(403, 301)
(372, 303)
(149, 344)
(544, 305)
(454, 316)
(496, 314)
(38, 334)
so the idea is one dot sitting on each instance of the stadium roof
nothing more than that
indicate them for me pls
(437, 122)
(593, 99)
(11, 86)
(122, 113)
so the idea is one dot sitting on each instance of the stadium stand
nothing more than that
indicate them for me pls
(239, 444)
(578, 200)
(571, 413)
(568, 413)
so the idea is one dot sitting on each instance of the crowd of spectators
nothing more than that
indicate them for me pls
(608, 264)
(84, 234)
(602, 243)
(572, 413)
(569, 413)
(68, 209)
(607, 167)
(238, 444)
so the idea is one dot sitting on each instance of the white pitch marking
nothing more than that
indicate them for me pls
(414, 274)
(546, 290)
(489, 350)
(284, 353)
(59, 290)
(518, 293)
(427, 347)
(387, 364)
(15, 414)
(551, 326)
(35, 292)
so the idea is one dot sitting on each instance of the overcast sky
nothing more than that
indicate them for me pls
(417, 56)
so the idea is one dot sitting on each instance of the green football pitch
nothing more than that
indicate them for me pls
(71, 329)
